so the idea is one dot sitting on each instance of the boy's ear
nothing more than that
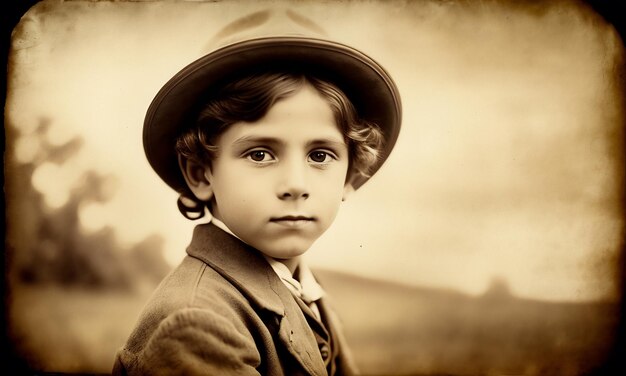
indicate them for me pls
(348, 189)
(198, 178)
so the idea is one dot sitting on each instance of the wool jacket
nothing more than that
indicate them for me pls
(224, 311)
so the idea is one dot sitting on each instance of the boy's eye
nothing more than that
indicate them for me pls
(260, 156)
(320, 156)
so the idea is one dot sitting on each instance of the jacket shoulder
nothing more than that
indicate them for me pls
(193, 341)
(192, 284)
(194, 304)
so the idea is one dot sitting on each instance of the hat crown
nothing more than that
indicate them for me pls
(265, 23)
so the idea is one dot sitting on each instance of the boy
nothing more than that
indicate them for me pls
(266, 136)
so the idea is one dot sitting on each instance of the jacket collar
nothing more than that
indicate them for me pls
(240, 264)
(250, 273)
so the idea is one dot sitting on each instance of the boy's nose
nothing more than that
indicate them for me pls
(294, 194)
(294, 183)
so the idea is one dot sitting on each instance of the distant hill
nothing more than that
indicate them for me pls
(397, 329)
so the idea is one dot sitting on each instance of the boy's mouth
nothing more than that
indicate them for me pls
(292, 220)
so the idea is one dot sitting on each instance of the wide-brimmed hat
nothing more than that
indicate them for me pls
(268, 40)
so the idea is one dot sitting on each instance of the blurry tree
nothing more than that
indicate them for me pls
(498, 289)
(47, 245)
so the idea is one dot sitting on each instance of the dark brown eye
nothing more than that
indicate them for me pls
(318, 156)
(259, 156)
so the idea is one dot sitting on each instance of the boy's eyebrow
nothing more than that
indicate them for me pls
(245, 140)
(257, 140)
(326, 142)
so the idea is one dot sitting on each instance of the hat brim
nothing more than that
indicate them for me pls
(368, 86)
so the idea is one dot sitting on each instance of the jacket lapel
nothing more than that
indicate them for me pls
(344, 361)
(251, 274)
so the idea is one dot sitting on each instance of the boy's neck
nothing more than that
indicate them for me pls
(291, 264)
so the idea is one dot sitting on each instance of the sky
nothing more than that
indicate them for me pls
(507, 165)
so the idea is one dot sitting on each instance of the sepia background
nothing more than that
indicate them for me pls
(488, 243)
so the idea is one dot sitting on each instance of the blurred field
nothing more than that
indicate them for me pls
(392, 329)
(71, 330)
(396, 329)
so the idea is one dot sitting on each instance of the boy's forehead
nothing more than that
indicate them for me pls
(303, 117)
(273, 132)
(306, 104)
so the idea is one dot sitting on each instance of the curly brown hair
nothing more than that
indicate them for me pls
(249, 99)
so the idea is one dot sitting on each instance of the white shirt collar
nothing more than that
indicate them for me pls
(221, 225)
(306, 288)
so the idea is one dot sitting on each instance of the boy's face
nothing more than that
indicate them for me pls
(277, 183)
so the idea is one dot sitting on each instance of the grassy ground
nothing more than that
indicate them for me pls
(60, 330)
(392, 329)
